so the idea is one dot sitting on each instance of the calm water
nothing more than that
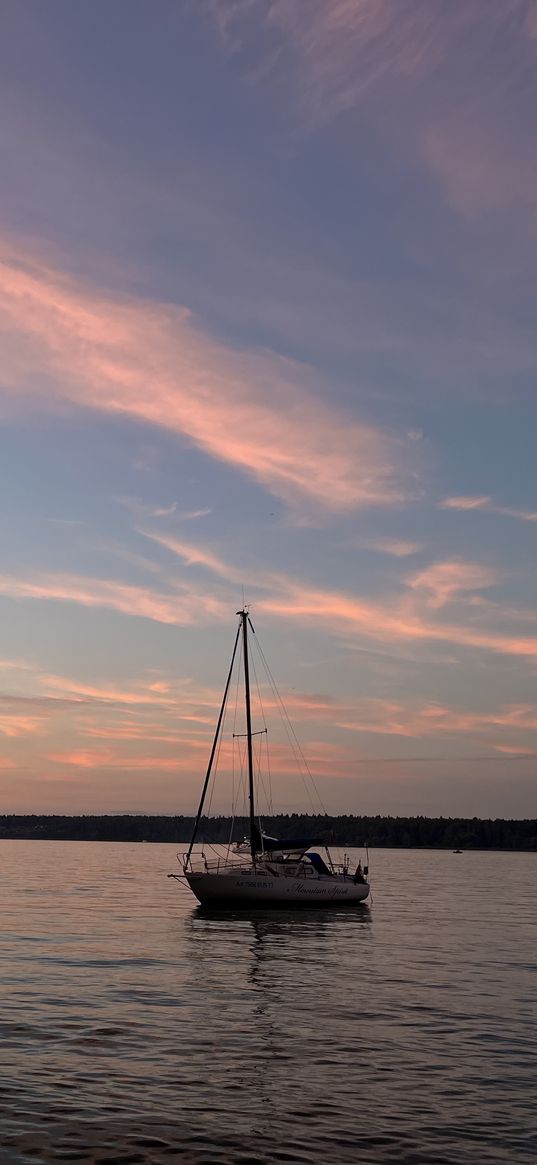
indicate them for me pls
(135, 1028)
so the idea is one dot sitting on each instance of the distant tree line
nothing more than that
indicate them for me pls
(409, 832)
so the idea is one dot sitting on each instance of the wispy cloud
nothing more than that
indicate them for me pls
(19, 724)
(396, 547)
(428, 71)
(178, 609)
(478, 149)
(112, 694)
(44, 692)
(406, 615)
(254, 411)
(194, 555)
(515, 750)
(466, 502)
(517, 512)
(163, 511)
(322, 757)
(339, 51)
(393, 621)
(103, 758)
(171, 716)
(128, 731)
(487, 503)
(143, 509)
(444, 582)
(191, 515)
(412, 719)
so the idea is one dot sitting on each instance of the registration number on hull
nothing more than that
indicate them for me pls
(298, 888)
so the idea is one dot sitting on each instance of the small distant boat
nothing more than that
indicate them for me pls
(269, 871)
(457, 851)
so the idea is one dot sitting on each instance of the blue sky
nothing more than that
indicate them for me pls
(267, 303)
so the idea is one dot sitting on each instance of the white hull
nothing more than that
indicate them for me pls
(260, 888)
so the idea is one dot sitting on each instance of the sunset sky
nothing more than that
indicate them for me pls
(268, 279)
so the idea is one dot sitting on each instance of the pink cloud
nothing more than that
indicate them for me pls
(480, 150)
(444, 582)
(81, 758)
(322, 757)
(23, 714)
(466, 502)
(153, 362)
(142, 731)
(15, 724)
(395, 620)
(517, 512)
(397, 547)
(514, 750)
(194, 555)
(395, 61)
(146, 510)
(411, 719)
(101, 693)
(406, 616)
(487, 503)
(340, 52)
(116, 596)
(109, 759)
(167, 711)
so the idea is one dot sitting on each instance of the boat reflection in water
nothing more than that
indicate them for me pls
(284, 984)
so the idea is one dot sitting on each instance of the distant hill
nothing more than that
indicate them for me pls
(407, 832)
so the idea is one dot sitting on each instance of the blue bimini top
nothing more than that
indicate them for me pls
(319, 865)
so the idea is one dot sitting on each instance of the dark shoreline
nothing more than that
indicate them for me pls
(378, 831)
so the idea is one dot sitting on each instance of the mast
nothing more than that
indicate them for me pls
(251, 793)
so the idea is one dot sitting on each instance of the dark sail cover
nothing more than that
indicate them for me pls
(270, 844)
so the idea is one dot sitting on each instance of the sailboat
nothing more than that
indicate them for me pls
(272, 871)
